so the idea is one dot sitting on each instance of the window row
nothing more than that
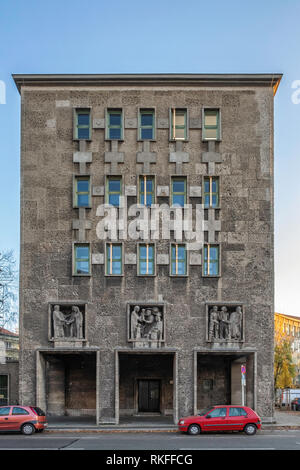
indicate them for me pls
(146, 191)
(146, 265)
(178, 124)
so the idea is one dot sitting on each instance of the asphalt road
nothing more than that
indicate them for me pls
(263, 440)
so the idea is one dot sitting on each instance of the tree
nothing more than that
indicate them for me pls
(8, 290)
(284, 369)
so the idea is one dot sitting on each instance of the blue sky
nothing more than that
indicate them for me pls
(193, 36)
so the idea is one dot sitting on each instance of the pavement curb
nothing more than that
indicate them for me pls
(270, 427)
(109, 431)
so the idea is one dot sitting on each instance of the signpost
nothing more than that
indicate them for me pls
(243, 378)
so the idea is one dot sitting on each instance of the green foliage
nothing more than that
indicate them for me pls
(284, 369)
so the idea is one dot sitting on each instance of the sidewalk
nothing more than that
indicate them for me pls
(283, 420)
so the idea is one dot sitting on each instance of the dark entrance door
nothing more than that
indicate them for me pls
(149, 396)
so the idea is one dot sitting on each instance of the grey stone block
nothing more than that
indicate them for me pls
(162, 259)
(195, 191)
(131, 123)
(162, 191)
(98, 123)
(162, 123)
(179, 157)
(195, 123)
(114, 157)
(82, 157)
(130, 190)
(97, 258)
(195, 259)
(98, 191)
(130, 258)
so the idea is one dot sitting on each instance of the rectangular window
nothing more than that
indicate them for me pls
(211, 191)
(211, 260)
(146, 124)
(83, 124)
(81, 259)
(211, 124)
(146, 259)
(114, 124)
(178, 124)
(147, 191)
(178, 260)
(114, 259)
(114, 190)
(178, 196)
(82, 191)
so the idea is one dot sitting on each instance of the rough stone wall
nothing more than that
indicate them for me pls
(246, 235)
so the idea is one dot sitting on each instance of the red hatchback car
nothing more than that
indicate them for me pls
(222, 418)
(27, 419)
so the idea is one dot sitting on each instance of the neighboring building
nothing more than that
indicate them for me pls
(143, 323)
(9, 367)
(288, 326)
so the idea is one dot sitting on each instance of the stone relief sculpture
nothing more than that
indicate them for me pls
(225, 324)
(67, 323)
(146, 325)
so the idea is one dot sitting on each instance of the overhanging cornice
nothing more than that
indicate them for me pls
(136, 80)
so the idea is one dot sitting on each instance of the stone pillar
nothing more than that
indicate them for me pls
(186, 383)
(236, 386)
(107, 388)
(41, 400)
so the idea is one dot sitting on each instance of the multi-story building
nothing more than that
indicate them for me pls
(9, 367)
(287, 327)
(146, 277)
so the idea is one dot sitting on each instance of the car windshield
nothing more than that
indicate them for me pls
(204, 411)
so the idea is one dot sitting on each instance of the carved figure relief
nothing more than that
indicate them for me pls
(225, 323)
(67, 322)
(146, 324)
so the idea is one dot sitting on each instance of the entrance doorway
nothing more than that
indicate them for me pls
(146, 386)
(67, 383)
(148, 396)
(219, 379)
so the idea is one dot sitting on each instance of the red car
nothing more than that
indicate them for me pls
(27, 419)
(222, 418)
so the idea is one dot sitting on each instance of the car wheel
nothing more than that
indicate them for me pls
(27, 429)
(194, 430)
(250, 429)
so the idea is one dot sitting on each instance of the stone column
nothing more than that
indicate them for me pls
(107, 388)
(41, 400)
(186, 383)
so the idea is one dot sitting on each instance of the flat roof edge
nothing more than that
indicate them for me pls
(147, 79)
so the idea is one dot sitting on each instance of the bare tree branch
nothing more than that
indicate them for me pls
(8, 289)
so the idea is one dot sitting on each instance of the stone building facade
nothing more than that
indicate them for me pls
(128, 319)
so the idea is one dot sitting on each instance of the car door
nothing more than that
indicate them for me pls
(215, 420)
(237, 418)
(18, 416)
(4, 418)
